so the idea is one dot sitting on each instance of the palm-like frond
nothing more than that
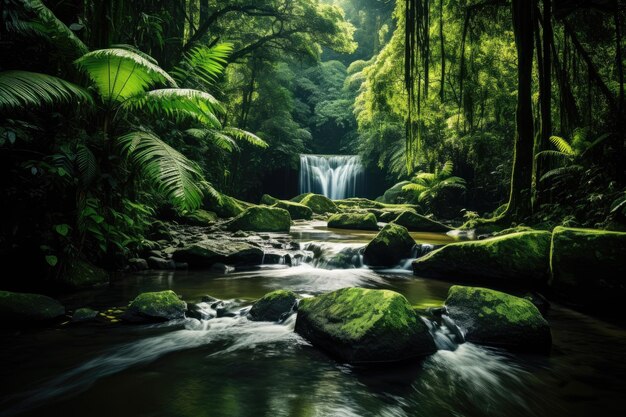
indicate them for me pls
(119, 74)
(562, 172)
(20, 89)
(243, 135)
(199, 105)
(203, 63)
(176, 177)
(87, 165)
(215, 138)
(36, 19)
(562, 145)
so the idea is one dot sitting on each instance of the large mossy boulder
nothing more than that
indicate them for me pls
(319, 204)
(82, 274)
(273, 306)
(392, 244)
(198, 218)
(359, 325)
(155, 307)
(261, 219)
(358, 221)
(588, 266)
(225, 206)
(494, 318)
(210, 251)
(515, 258)
(297, 211)
(16, 308)
(268, 200)
(395, 194)
(418, 223)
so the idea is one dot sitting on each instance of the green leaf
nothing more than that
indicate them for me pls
(62, 229)
(52, 260)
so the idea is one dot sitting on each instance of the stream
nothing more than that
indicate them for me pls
(230, 366)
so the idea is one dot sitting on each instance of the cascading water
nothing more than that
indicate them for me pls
(335, 176)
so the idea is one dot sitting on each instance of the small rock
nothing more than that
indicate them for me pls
(138, 264)
(160, 263)
(155, 306)
(222, 268)
(83, 315)
(273, 306)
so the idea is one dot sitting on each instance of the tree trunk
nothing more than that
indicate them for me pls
(519, 206)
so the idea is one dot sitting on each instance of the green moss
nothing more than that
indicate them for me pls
(156, 306)
(198, 218)
(395, 193)
(360, 324)
(268, 200)
(319, 204)
(25, 307)
(588, 266)
(261, 219)
(418, 223)
(359, 221)
(300, 197)
(498, 319)
(297, 211)
(390, 245)
(225, 206)
(522, 256)
(273, 306)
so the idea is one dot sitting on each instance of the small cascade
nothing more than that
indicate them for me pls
(446, 334)
(327, 255)
(335, 176)
(419, 250)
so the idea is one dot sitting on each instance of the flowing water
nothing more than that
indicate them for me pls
(229, 366)
(335, 176)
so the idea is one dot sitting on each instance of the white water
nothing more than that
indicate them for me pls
(335, 176)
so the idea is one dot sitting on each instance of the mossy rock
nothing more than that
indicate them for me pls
(392, 244)
(16, 307)
(261, 219)
(273, 306)
(83, 315)
(588, 266)
(300, 197)
(210, 251)
(155, 307)
(198, 218)
(418, 223)
(518, 257)
(297, 211)
(82, 274)
(225, 206)
(268, 200)
(359, 325)
(494, 318)
(394, 194)
(358, 221)
(319, 204)
(515, 229)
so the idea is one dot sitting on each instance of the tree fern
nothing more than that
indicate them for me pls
(203, 63)
(173, 175)
(427, 185)
(19, 89)
(119, 74)
(243, 135)
(33, 18)
(196, 104)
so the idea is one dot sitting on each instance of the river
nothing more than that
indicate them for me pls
(230, 366)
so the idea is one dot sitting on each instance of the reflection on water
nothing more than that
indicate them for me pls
(234, 367)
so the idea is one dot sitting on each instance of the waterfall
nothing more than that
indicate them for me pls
(335, 176)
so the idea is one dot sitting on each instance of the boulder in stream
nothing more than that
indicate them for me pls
(418, 223)
(82, 274)
(18, 307)
(261, 219)
(83, 315)
(211, 251)
(389, 247)
(494, 318)
(359, 325)
(515, 258)
(319, 204)
(589, 266)
(273, 306)
(358, 221)
(297, 211)
(155, 307)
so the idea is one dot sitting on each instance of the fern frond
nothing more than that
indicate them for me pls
(417, 188)
(119, 74)
(562, 172)
(204, 63)
(447, 169)
(173, 174)
(245, 136)
(87, 165)
(19, 89)
(562, 145)
(199, 105)
(552, 154)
